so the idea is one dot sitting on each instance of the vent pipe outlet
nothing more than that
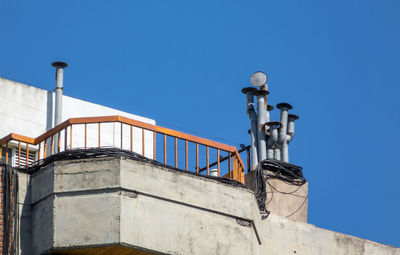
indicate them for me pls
(59, 91)
(261, 120)
(290, 134)
(282, 140)
(253, 124)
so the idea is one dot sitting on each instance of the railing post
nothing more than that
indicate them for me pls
(131, 138)
(165, 149)
(229, 165)
(218, 163)
(154, 145)
(27, 156)
(186, 155)
(143, 152)
(65, 140)
(176, 152)
(19, 154)
(122, 135)
(85, 135)
(45, 149)
(39, 151)
(99, 136)
(7, 153)
(197, 158)
(51, 146)
(235, 168)
(58, 142)
(70, 137)
(208, 160)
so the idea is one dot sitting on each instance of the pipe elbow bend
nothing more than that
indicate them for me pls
(289, 137)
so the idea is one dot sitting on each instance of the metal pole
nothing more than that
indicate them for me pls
(290, 132)
(261, 119)
(253, 124)
(59, 93)
(284, 107)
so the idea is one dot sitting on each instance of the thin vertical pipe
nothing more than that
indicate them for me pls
(1, 153)
(70, 137)
(208, 160)
(131, 138)
(186, 155)
(154, 145)
(27, 155)
(197, 158)
(99, 135)
(85, 135)
(143, 142)
(229, 165)
(165, 149)
(176, 152)
(7, 153)
(218, 162)
(19, 154)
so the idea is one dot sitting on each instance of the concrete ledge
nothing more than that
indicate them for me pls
(120, 202)
(121, 205)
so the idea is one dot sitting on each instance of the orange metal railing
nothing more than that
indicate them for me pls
(50, 143)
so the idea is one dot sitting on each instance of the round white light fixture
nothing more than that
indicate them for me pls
(258, 79)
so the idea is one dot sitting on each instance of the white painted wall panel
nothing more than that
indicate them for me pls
(28, 111)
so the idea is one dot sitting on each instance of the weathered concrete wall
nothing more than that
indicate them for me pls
(283, 199)
(285, 236)
(25, 214)
(124, 202)
(114, 202)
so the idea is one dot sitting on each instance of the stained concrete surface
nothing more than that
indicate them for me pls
(115, 202)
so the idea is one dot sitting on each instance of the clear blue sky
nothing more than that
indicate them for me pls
(183, 64)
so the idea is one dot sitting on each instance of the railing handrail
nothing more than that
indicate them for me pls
(127, 121)
(107, 119)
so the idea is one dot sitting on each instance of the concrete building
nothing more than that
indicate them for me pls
(100, 185)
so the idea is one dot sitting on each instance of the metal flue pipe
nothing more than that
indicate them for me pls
(273, 137)
(253, 124)
(282, 140)
(290, 131)
(59, 90)
(290, 134)
(261, 120)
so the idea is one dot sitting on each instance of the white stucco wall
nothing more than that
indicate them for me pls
(28, 111)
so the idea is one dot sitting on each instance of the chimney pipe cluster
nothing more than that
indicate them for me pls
(269, 139)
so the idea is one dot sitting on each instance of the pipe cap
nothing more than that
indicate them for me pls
(59, 64)
(249, 89)
(261, 92)
(284, 105)
(293, 116)
(270, 107)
